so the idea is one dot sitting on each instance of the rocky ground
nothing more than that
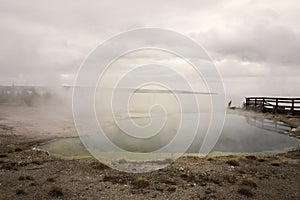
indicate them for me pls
(30, 174)
(26, 173)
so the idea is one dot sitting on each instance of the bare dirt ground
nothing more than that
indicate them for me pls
(30, 174)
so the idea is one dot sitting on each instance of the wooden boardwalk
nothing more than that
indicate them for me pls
(282, 105)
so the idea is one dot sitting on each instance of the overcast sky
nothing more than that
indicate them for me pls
(254, 44)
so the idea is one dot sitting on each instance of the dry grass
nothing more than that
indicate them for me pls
(99, 165)
(275, 163)
(3, 155)
(20, 191)
(9, 166)
(56, 191)
(246, 190)
(18, 149)
(251, 157)
(260, 159)
(36, 162)
(25, 177)
(209, 158)
(51, 180)
(33, 184)
(233, 162)
(248, 182)
(122, 161)
(141, 182)
(168, 160)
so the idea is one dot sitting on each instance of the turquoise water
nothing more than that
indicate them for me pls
(240, 135)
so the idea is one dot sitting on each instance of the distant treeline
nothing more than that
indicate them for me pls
(25, 95)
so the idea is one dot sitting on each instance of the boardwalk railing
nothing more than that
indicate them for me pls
(281, 105)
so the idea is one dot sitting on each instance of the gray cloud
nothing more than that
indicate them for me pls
(45, 41)
(268, 42)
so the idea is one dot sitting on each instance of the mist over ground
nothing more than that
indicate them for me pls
(254, 44)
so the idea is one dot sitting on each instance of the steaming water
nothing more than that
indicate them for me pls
(240, 135)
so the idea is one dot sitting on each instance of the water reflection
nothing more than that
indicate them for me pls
(240, 135)
(270, 125)
(251, 134)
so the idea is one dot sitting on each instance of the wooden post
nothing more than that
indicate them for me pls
(247, 103)
(276, 108)
(293, 103)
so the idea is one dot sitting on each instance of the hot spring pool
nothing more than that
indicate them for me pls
(240, 135)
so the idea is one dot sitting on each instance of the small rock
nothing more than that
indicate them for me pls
(208, 191)
(192, 184)
(171, 189)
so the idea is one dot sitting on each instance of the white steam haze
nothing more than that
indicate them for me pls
(254, 44)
